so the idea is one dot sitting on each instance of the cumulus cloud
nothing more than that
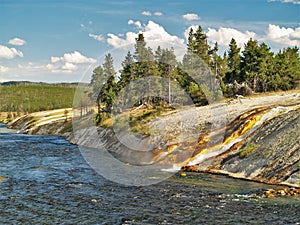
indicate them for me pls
(297, 2)
(74, 57)
(118, 42)
(224, 35)
(98, 37)
(68, 62)
(283, 36)
(69, 66)
(153, 33)
(137, 23)
(146, 13)
(191, 16)
(9, 53)
(55, 59)
(17, 41)
(3, 69)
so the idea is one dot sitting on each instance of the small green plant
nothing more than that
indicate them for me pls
(67, 127)
(248, 150)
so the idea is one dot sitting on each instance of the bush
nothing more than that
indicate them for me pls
(248, 150)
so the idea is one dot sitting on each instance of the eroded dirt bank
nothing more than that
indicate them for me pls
(255, 138)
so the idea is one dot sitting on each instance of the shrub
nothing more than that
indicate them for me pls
(248, 150)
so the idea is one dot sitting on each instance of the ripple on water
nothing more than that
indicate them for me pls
(49, 182)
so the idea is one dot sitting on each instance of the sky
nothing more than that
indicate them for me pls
(62, 41)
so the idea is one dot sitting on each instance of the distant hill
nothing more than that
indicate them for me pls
(27, 97)
(29, 83)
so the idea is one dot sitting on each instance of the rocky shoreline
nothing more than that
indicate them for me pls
(274, 161)
(285, 192)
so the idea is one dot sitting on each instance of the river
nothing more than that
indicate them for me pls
(45, 180)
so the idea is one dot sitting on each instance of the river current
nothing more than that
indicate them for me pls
(45, 180)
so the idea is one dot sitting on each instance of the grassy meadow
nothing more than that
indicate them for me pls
(33, 98)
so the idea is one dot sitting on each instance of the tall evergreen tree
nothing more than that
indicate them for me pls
(234, 60)
(168, 62)
(201, 45)
(97, 82)
(127, 72)
(287, 69)
(145, 66)
(249, 63)
(265, 67)
(109, 88)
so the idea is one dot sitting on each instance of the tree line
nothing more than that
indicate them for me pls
(197, 76)
(34, 98)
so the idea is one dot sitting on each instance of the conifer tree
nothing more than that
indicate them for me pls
(109, 89)
(249, 63)
(97, 82)
(234, 60)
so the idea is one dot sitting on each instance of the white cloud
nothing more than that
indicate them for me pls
(77, 57)
(137, 23)
(55, 59)
(153, 33)
(69, 66)
(118, 42)
(158, 13)
(97, 37)
(146, 13)
(9, 53)
(17, 41)
(74, 57)
(283, 36)
(191, 16)
(224, 35)
(3, 69)
(68, 63)
(297, 2)
(61, 68)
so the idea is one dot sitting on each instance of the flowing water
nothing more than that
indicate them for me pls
(45, 180)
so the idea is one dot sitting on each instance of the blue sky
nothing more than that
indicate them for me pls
(57, 41)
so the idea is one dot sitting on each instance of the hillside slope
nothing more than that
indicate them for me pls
(255, 138)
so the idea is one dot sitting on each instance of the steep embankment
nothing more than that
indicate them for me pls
(255, 138)
(267, 150)
(259, 142)
(52, 122)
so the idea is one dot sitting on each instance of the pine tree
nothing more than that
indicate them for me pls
(97, 82)
(109, 89)
(168, 62)
(145, 67)
(234, 60)
(127, 72)
(265, 67)
(286, 69)
(249, 63)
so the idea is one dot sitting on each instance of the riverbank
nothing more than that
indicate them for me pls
(273, 158)
(46, 180)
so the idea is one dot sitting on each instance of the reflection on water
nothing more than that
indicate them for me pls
(48, 182)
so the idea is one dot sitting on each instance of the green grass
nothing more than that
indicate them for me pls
(35, 98)
(67, 128)
(137, 120)
(248, 150)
